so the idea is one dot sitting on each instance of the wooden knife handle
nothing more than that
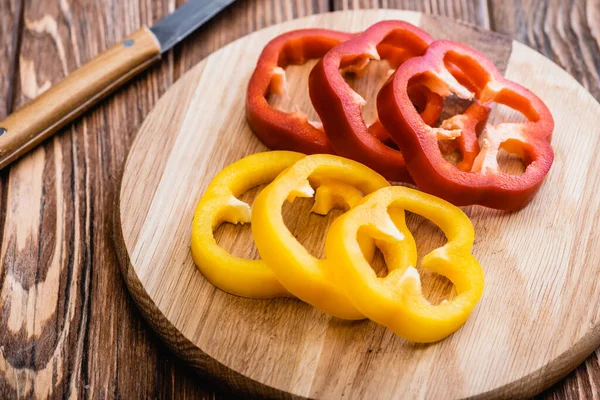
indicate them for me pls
(43, 116)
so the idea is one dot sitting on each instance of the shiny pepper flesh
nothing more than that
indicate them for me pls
(275, 128)
(220, 203)
(478, 179)
(299, 272)
(396, 301)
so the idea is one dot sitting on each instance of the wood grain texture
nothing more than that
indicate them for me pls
(56, 256)
(120, 357)
(538, 319)
(41, 117)
(69, 183)
(568, 33)
(474, 12)
(69, 322)
(10, 17)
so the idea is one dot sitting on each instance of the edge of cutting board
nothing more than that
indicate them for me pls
(527, 385)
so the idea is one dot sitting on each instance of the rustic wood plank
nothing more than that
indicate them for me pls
(471, 11)
(86, 337)
(10, 39)
(10, 35)
(238, 20)
(10, 28)
(568, 33)
(73, 187)
(107, 351)
(55, 244)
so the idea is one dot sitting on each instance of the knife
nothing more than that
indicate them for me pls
(46, 114)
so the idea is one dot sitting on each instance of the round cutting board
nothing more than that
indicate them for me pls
(539, 315)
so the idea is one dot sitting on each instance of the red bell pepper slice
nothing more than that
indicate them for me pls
(339, 107)
(275, 128)
(477, 180)
(428, 104)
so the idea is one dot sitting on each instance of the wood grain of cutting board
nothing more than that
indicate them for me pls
(538, 317)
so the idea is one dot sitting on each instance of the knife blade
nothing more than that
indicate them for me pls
(190, 16)
(43, 116)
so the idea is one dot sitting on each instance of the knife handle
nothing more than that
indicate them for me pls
(46, 114)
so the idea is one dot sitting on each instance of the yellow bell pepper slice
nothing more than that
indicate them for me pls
(219, 204)
(298, 271)
(396, 301)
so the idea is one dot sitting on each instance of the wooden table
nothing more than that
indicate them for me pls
(68, 326)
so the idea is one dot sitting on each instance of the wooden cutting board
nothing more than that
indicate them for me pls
(539, 315)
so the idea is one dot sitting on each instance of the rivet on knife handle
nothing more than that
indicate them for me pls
(65, 101)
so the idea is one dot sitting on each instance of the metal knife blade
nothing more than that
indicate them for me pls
(176, 26)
